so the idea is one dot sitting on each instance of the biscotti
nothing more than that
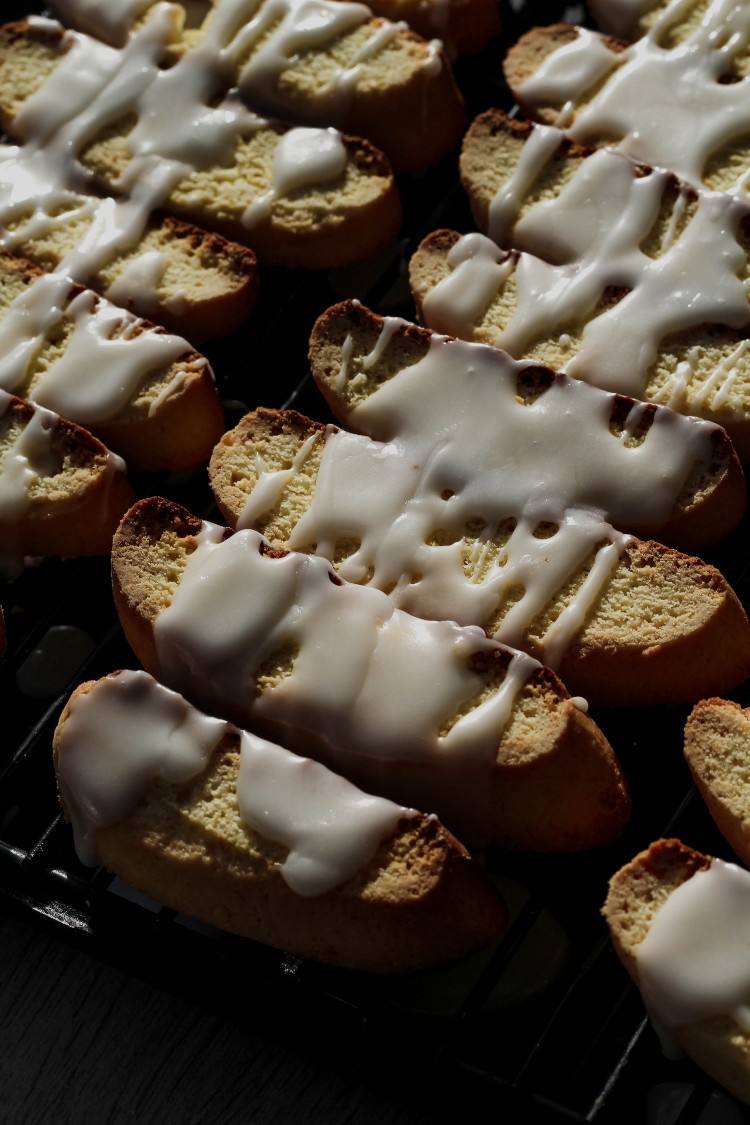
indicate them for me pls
(603, 90)
(717, 749)
(297, 196)
(496, 513)
(142, 391)
(61, 491)
(366, 76)
(238, 832)
(424, 712)
(679, 924)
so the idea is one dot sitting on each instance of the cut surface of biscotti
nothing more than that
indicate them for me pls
(603, 91)
(717, 749)
(61, 491)
(240, 833)
(426, 713)
(679, 922)
(298, 196)
(498, 511)
(367, 76)
(144, 392)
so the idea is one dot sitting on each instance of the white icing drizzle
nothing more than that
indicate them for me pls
(178, 127)
(693, 962)
(331, 828)
(29, 458)
(540, 146)
(595, 227)
(264, 39)
(452, 446)
(270, 485)
(128, 731)
(107, 354)
(666, 106)
(370, 683)
(303, 158)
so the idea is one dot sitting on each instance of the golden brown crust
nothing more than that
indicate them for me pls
(419, 901)
(509, 803)
(74, 510)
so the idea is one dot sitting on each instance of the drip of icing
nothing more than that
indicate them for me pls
(140, 280)
(368, 681)
(128, 731)
(107, 354)
(693, 962)
(303, 158)
(330, 827)
(540, 146)
(455, 460)
(28, 458)
(665, 106)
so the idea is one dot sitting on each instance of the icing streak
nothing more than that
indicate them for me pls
(107, 355)
(668, 105)
(340, 663)
(127, 732)
(693, 962)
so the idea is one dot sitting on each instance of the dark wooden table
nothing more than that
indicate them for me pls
(82, 1041)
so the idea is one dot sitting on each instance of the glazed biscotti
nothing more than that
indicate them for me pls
(426, 713)
(679, 922)
(298, 196)
(602, 90)
(142, 391)
(717, 746)
(637, 282)
(233, 830)
(496, 512)
(61, 491)
(367, 76)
